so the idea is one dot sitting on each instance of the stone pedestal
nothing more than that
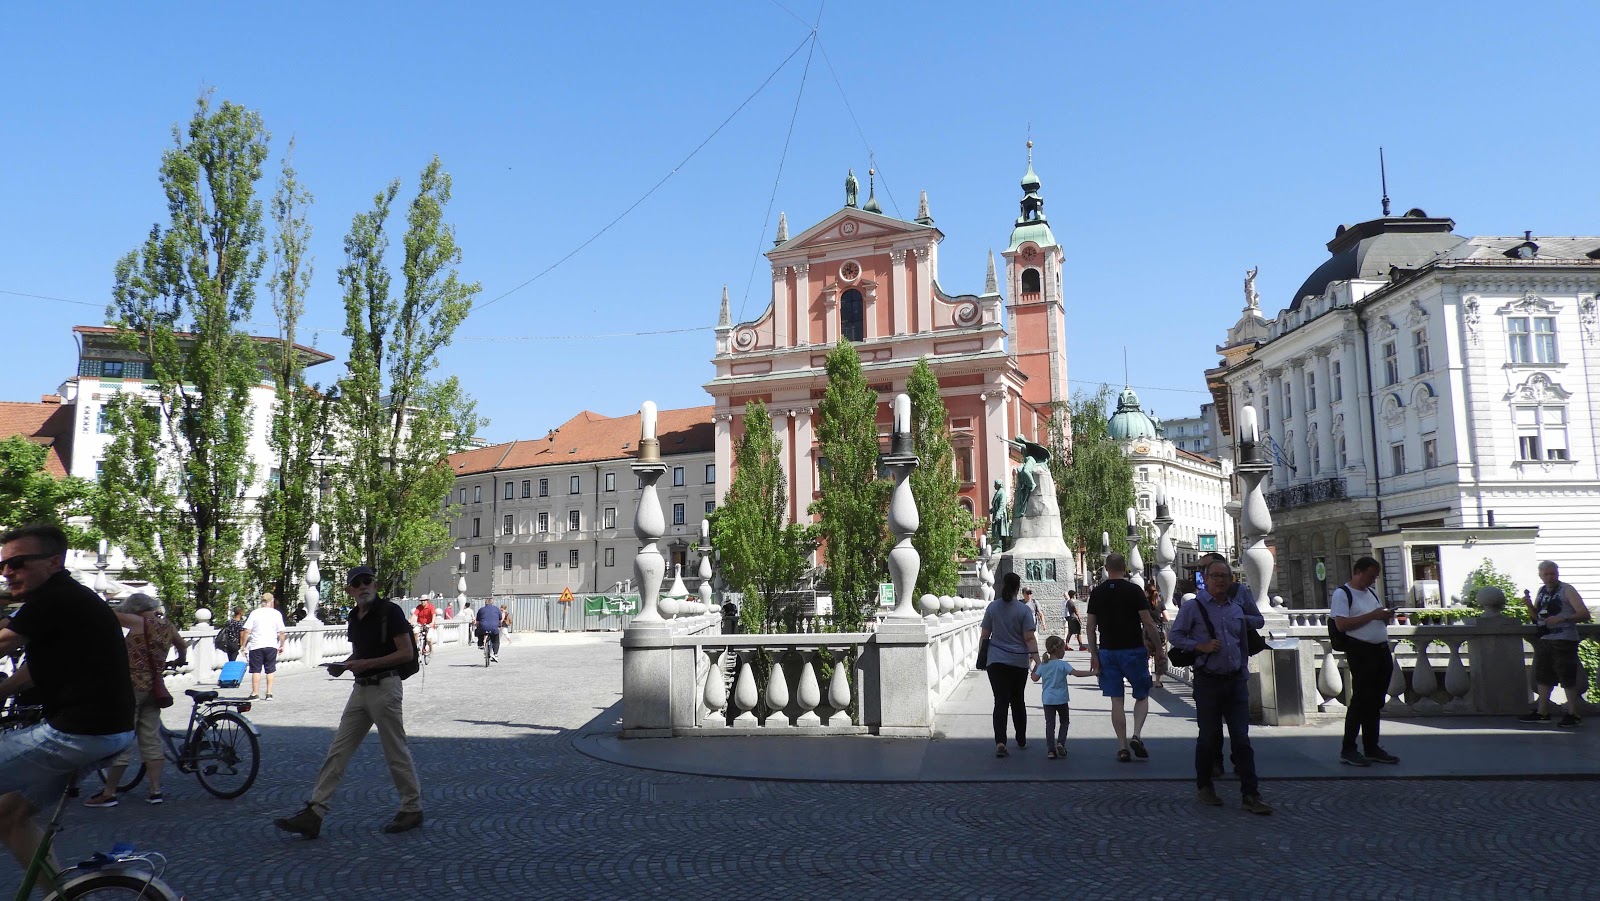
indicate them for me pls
(1499, 669)
(895, 695)
(1040, 556)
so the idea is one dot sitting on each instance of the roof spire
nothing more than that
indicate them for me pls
(725, 318)
(991, 285)
(1030, 180)
(1383, 176)
(871, 206)
(923, 216)
(783, 229)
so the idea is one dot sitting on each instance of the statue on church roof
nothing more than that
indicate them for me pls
(1252, 300)
(851, 187)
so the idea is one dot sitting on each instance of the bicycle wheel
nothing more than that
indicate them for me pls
(112, 885)
(487, 647)
(131, 777)
(226, 755)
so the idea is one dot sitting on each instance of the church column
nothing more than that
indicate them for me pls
(780, 305)
(802, 306)
(830, 316)
(1357, 422)
(803, 484)
(1299, 420)
(1275, 425)
(1324, 412)
(994, 437)
(722, 425)
(897, 286)
(781, 434)
(924, 291)
(869, 312)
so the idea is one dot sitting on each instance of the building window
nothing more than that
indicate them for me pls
(1336, 376)
(474, 562)
(611, 556)
(575, 485)
(572, 557)
(544, 487)
(1343, 458)
(1144, 502)
(1311, 391)
(274, 479)
(1391, 364)
(677, 514)
(1542, 433)
(711, 507)
(1419, 349)
(1430, 453)
(1397, 459)
(112, 369)
(1030, 281)
(544, 522)
(1540, 347)
(1144, 473)
(477, 494)
(572, 520)
(611, 481)
(507, 527)
(544, 559)
(510, 490)
(640, 486)
(475, 522)
(711, 473)
(505, 562)
(463, 495)
(677, 477)
(102, 423)
(1288, 400)
(964, 464)
(1316, 455)
(850, 319)
(527, 488)
(610, 518)
(1544, 339)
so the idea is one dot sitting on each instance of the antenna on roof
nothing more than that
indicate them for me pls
(1124, 365)
(1383, 176)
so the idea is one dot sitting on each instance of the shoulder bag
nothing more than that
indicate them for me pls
(1186, 656)
(983, 654)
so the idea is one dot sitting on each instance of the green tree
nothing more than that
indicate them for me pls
(854, 499)
(135, 504)
(945, 535)
(760, 554)
(395, 424)
(179, 300)
(300, 416)
(30, 494)
(1094, 480)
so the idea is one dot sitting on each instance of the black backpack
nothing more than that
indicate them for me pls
(228, 637)
(411, 668)
(1336, 639)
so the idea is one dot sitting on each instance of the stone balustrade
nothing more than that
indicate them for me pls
(954, 624)
(305, 646)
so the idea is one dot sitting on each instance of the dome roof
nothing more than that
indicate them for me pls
(1130, 421)
(1369, 249)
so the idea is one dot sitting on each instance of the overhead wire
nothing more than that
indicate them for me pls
(872, 156)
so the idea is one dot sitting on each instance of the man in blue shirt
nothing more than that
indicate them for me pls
(1213, 625)
(489, 629)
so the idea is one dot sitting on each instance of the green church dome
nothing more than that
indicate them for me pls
(1130, 421)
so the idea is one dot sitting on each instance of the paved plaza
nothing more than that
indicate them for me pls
(519, 806)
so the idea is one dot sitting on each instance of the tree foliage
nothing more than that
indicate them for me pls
(395, 424)
(30, 494)
(945, 535)
(854, 499)
(761, 555)
(1094, 480)
(180, 299)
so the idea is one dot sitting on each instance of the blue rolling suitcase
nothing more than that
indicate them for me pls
(232, 674)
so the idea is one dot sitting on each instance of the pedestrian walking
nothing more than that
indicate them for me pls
(1052, 675)
(230, 638)
(1033, 607)
(1158, 612)
(149, 640)
(1074, 623)
(1214, 627)
(1364, 620)
(1556, 614)
(1009, 626)
(380, 644)
(1121, 632)
(263, 637)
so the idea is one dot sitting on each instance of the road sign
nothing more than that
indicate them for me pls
(1322, 571)
(566, 596)
(885, 594)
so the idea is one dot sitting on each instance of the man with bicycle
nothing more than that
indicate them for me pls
(490, 618)
(425, 612)
(77, 664)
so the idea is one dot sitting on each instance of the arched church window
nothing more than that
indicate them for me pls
(850, 325)
(1030, 281)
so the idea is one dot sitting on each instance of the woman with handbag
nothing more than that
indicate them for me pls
(150, 637)
(1009, 639)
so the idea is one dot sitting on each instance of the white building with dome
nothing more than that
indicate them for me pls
(1198, 488)
(1430, 399)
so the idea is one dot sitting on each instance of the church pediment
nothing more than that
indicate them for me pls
(849, 226)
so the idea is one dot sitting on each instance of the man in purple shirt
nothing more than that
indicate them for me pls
(1213, 626)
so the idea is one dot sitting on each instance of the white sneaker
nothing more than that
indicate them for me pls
(494, 658)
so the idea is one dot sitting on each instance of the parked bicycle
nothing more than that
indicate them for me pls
(220, 747)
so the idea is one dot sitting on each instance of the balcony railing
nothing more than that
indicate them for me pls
(1316, 492)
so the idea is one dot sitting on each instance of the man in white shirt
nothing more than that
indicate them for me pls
(262, 639)
(1364, 619)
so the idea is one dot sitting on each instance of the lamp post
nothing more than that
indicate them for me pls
(1255, 520)
(904, 561)
(1135, 562)
(461, 579)
(314, 573)
(1166, 553)
(100, 563)
(649, 524)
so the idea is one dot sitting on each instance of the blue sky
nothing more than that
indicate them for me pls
(1179, 144)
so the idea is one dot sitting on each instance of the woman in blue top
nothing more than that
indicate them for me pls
(1009, 626)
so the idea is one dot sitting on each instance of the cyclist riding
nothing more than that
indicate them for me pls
(78, 664)
(489, 619)
(424, 613)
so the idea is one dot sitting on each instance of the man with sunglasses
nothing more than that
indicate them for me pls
(78, 667)
(380, 643)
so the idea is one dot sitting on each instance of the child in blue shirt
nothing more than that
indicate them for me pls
(1053, 674)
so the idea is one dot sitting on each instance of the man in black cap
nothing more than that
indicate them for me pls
(380, 643)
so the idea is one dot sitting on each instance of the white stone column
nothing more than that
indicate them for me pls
(830, 317)
(1299, 421)
(897, 287)
(1357, 420)
(802, 482)
(869, 311)
(924, 291)
(780, 306)
(722, 425)
(1274, 428)
(800, 328)
(994, 436)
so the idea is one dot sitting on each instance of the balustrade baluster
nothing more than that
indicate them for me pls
(745, 695)
(715, 695)
(839, 686)
(1397, 687)
(947, 665)
(1330, 682)
(777, 695)
(1457, 681)
(1424, 682)
(808, 694)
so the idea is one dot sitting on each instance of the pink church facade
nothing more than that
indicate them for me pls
(874, 280)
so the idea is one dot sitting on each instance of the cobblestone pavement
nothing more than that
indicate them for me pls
(513, 811)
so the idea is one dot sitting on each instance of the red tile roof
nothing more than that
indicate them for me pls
(48, 423)
(589, 438)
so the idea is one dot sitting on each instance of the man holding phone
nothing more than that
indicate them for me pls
(1364, 619)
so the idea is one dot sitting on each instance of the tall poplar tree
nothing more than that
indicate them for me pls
(30, 494)
(179, 299)
(1094, 480)
(760, 554)
(394, 424)
(854, 499)
(299, 419)
(945, 534)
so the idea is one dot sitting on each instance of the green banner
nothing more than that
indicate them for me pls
(611, 605)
